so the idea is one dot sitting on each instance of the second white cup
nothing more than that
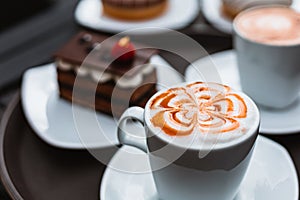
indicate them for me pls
(267, 43)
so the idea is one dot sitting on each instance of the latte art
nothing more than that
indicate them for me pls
(270, 25)
(199, 108)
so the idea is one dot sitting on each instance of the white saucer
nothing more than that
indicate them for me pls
(178, 15)
(52, 118)
(271, 175)
(212, 10)
(284, 121)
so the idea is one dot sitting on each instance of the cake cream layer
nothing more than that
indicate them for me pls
(105, 76)
(108, 89)
(102, 104)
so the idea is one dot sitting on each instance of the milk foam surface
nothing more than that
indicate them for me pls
(270, 25)
(202, 115)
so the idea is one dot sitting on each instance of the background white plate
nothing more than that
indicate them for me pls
(52, 118)
(271, 175)
(179, 14)
(273, 121)
(212, 10)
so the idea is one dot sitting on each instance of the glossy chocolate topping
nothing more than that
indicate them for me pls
(95, 51)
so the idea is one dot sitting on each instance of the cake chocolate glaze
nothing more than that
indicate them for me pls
(76, 51)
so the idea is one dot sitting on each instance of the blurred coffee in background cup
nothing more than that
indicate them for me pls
(267, 42)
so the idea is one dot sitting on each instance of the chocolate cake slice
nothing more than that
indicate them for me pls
(90, 73)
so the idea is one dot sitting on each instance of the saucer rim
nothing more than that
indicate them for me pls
(262, 139)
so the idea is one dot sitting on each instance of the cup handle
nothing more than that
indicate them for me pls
(127, 138)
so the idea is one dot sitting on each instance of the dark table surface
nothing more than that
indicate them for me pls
(28, 37)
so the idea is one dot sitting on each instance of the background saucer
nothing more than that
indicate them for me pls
(271, 175)
(283, 121)
(178, 15)
(213, 13)
(52, 118)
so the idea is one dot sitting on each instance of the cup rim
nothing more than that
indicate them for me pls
(238, 33)
(253, 130)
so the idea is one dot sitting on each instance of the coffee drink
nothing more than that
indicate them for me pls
(182, 125)
(270, 25)
(203, 112)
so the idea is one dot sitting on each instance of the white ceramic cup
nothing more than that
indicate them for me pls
(269, 73)
(179, 172)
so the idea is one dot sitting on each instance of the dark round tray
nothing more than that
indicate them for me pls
(31, 169)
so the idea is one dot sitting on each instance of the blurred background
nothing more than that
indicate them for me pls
(17, 11)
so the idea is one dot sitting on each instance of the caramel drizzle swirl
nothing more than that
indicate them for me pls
(209, 107)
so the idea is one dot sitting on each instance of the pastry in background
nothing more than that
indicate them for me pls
(112, 77)
(134, 9)
(232, 8)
